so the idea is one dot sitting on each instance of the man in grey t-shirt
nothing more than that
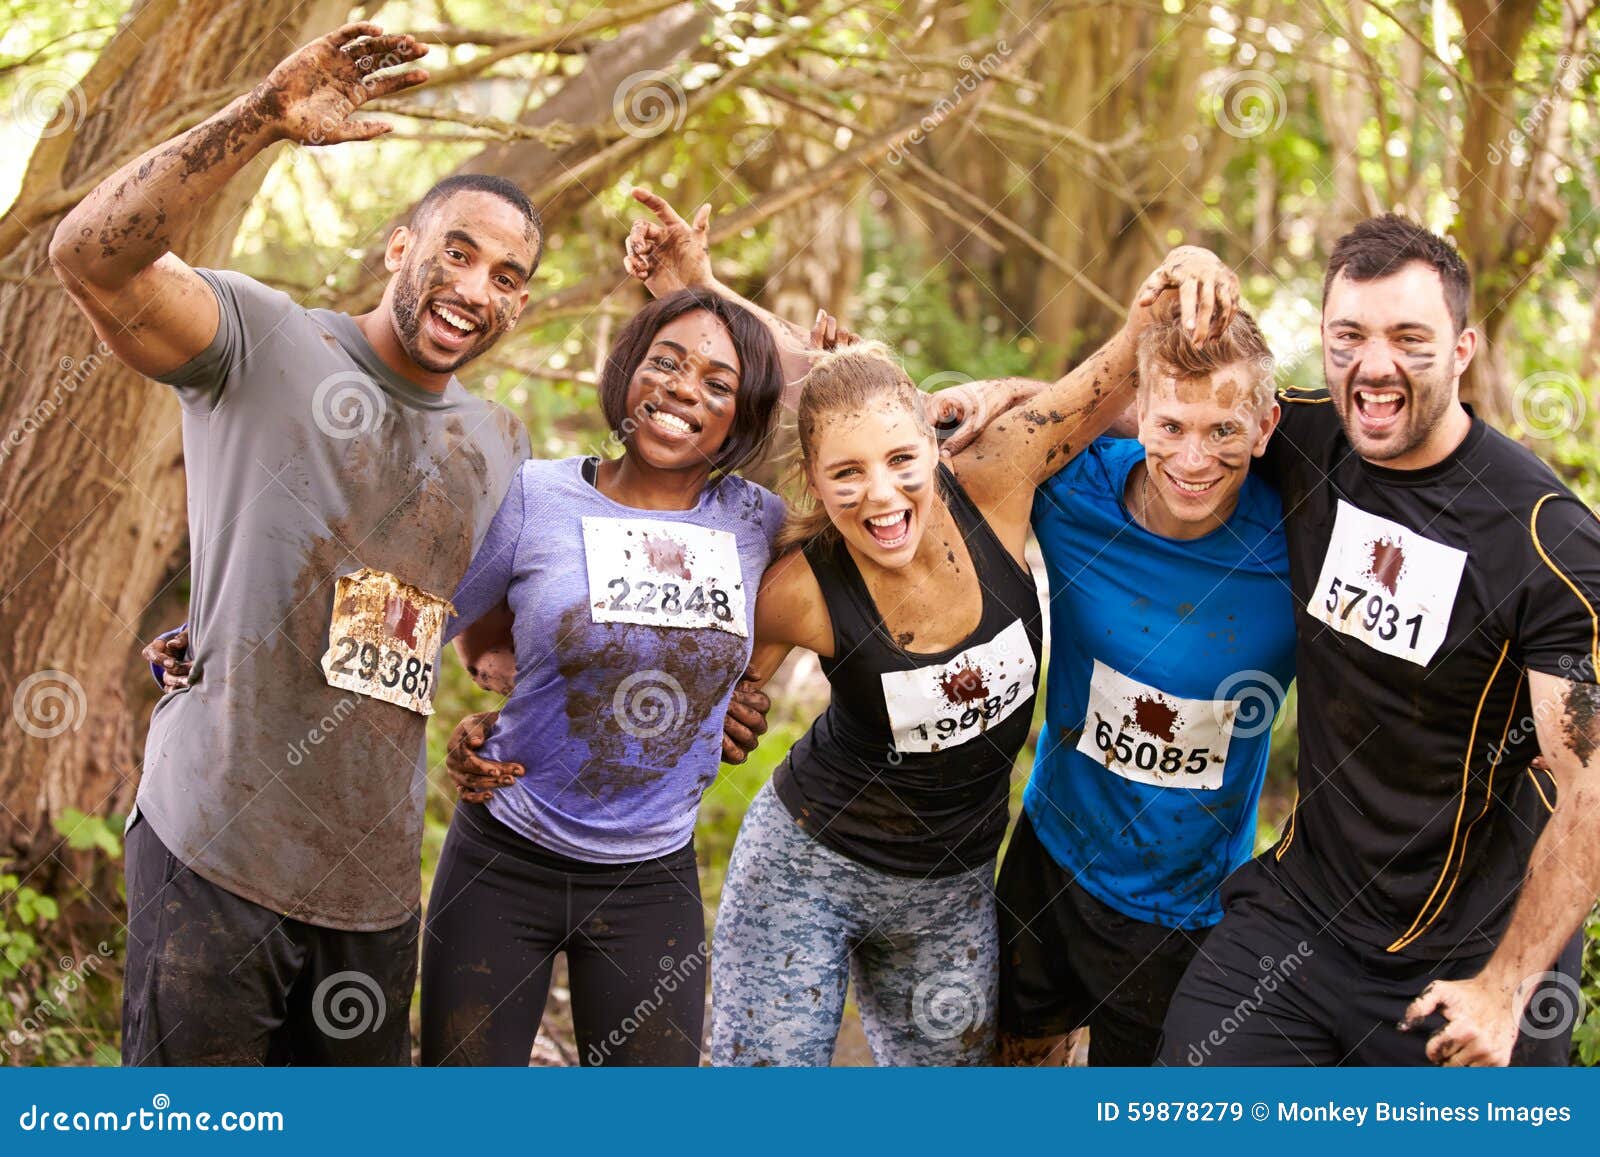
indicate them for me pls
(339, 478)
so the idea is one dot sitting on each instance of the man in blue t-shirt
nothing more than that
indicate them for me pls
(1172, 644)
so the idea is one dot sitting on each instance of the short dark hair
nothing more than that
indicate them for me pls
(760, 373)
(1380, 246)
(495, 186)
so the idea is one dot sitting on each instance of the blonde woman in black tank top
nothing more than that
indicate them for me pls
(871, 855)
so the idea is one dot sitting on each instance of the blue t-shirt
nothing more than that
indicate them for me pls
(632, 627)
(1164, 655)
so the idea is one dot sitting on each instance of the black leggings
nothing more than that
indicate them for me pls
(502, 907)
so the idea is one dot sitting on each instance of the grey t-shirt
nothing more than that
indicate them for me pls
(308, 459)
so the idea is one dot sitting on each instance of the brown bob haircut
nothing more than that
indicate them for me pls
(760, 374)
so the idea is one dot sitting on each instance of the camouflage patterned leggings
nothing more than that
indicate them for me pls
(798, 920)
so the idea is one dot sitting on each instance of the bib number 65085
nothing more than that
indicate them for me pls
(1147, 755)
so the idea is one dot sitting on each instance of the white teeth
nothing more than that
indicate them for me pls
(1380, 399)
(1192, 487)
(671, 422)
(886, 519)
(454, 319)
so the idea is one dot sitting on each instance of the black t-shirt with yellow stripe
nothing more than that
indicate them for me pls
(1423, 599)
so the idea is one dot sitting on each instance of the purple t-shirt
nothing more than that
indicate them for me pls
(632, 627)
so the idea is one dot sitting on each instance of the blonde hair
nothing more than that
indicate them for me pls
(845, 380)
(1165, 346)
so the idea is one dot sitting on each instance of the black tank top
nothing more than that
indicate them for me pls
(909, 769)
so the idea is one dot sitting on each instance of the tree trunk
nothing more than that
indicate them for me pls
(91, 480)
(1508, 210)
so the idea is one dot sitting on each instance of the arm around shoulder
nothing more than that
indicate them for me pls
(790, 612)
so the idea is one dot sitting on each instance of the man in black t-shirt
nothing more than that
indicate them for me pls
(1423, 900)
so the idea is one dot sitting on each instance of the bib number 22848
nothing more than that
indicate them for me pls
(384, 639)
(663, 574)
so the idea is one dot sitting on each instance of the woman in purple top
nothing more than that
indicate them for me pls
(630, 585)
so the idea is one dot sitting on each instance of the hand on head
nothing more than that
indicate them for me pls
(1206, 292)
(828, 334)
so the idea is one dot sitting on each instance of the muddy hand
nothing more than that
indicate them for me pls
(168, 653)
(669, 254)
(958, 417)
(1207, 291)
(476, 778)
(311, 95)
(745, 722)
(1480, 1021)
(828, 334)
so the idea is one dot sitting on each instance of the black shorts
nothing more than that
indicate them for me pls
(1274, 988)
(214, 979)
(1069, 960)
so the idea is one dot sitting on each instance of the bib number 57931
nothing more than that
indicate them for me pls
(1387, 585)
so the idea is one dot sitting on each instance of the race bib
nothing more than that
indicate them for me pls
(664, 574)
(932, 708)
(384, 639)
(1144, 734)
(1387, 585)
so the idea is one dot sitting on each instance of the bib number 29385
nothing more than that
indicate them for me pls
(384, 639)
(663, 574)
(1387, 585)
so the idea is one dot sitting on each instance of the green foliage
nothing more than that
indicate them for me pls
(60, 1000)
(83, 832)
(1586, 1040)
